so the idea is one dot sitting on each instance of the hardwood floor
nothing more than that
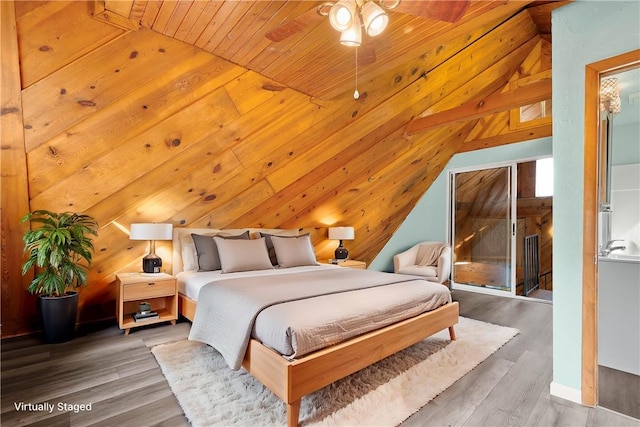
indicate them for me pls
(511, 387)
(119, 377)
(614, 392)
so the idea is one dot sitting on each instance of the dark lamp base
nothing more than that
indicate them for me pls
(341, 252)
(151, 264)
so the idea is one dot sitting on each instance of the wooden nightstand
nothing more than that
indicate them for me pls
(350, 263)
(160, 290)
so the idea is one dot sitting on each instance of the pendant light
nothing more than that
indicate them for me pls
(610, 96)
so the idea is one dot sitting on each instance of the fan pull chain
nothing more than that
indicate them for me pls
(356, 94)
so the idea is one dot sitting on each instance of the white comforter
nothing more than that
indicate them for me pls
(339, 303)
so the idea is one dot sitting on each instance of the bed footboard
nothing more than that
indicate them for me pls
(290, 380)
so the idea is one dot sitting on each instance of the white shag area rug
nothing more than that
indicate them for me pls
(384, 394)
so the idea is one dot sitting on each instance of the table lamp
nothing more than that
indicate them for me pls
(341, 233)
(151, 263)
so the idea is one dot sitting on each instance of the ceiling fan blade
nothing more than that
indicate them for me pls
(442, 10)
(295, 25)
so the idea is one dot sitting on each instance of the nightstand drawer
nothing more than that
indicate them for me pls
(150, 289)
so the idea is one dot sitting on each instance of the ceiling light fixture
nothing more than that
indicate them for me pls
(349, 16)
(610, 96)
(352, 36)
(375, 19)
(341, 14)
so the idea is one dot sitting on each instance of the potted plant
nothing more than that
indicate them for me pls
(61, 250)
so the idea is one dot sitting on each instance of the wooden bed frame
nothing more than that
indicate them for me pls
(290, 380)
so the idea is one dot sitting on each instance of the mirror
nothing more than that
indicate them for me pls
(619, 162)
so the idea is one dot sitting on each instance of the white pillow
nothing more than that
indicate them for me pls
(294, 251)
(243, 255)
(275, 232)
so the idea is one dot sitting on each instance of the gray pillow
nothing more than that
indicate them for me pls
(207, 250)
(243, 255)
(270, 248)
(294, 251)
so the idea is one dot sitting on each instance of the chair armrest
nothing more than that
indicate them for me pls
(444, 265)
(404, 259)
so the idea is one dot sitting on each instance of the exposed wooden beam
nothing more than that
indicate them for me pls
(541, 14)
(535, 92)
(534, 206)
(507, 138)
(115, 13)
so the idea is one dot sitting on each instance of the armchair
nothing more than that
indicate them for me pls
(409, 261)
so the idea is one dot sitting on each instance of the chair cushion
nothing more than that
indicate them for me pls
(419, 270)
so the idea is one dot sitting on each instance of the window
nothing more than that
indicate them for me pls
(544, 177)
(536, 111)
(531, 115)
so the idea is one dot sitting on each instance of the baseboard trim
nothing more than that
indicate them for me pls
(564, 392)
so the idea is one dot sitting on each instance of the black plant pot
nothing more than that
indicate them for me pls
(58, 316)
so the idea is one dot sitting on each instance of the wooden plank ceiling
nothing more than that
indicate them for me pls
(184, 112)
(310, 58)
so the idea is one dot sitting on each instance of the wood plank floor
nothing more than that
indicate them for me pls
(119, 377)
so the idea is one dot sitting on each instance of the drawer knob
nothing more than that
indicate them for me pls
(151, 284)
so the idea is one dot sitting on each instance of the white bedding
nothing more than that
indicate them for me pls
(293, 322)
(190, 282)
(296, 313)
(300, 327)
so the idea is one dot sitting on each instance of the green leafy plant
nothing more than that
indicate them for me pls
(57, 248)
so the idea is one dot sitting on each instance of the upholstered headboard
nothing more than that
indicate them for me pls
(184, 249)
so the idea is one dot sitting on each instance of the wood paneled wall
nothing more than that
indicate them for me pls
(134, 126)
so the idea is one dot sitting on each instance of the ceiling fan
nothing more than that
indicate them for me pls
(368, 13)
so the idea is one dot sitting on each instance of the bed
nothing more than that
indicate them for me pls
(290, 354)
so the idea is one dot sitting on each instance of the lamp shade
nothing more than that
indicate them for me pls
(150, 231)
(375, 18)
(352, 36)
(341, 233)
(342, 14)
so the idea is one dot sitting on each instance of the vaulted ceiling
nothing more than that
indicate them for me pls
(306, 54)
(186, 112)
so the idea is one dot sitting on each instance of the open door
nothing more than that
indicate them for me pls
(482, 228)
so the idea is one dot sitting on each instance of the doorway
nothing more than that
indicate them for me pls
(501, 228)
(619, 243)
(534, 229)
(591, 197)
(483, 229)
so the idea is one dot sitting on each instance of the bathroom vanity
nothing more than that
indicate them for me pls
(619, 312)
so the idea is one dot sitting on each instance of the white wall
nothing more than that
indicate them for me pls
(625, 175)
(583, 32)
(625, 204)
(626, 148)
